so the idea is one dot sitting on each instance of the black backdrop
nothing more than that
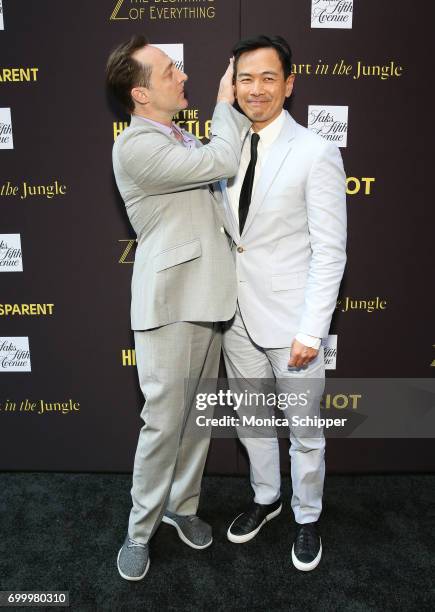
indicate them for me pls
(76, 249)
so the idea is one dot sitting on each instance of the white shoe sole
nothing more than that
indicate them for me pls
(245, 538)
(181, 535)
(132, 578)
(306, 567)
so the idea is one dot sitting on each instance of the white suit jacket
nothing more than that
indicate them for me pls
(291, 255)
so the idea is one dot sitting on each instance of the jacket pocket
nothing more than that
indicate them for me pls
(283, 282)
(177, 255)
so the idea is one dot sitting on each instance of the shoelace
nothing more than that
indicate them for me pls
(306, 539)
(132, 543)
(192, 518)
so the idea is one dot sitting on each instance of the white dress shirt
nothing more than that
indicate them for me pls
(268, 135)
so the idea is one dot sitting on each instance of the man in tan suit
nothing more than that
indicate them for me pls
(183, 283)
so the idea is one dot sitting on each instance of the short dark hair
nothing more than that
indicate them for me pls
(278, 43)
(123, 72)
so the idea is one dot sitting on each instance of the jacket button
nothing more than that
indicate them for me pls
(222, 229)
(240, 249)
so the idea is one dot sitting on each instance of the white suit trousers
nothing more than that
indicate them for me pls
(246, 361)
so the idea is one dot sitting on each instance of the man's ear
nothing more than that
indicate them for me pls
(140, 95)
(290, 80)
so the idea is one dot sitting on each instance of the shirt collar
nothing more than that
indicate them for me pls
(186, 136)
(166, 129)
(270, 133)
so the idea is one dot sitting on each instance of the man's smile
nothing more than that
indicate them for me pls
(258, 102)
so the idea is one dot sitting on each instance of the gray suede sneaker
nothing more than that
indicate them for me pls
(192, 530)
(133, 560)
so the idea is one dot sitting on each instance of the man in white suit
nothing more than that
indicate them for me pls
(287, 217)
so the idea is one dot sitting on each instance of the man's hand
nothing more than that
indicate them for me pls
(226, 87)
(301, 355)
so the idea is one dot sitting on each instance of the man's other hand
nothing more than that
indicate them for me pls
(301, 355)
(226, 87)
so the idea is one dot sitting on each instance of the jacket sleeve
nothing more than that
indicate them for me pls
(326, 210)
(158, 166)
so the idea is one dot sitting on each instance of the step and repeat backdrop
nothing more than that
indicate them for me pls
(69, 397)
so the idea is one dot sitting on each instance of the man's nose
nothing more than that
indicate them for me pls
(256, 88)
(183, 76)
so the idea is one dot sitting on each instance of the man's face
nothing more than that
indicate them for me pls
(166, 92)
(260, 86)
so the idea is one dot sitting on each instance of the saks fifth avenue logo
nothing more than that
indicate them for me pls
(330, 122)
(15, 355)
(138, 10)
(6, 139)
(331, 14)
(2, 25)
(11, 258)
(330, 350)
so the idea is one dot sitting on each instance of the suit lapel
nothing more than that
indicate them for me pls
(277, 154)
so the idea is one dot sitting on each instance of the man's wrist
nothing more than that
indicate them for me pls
(310, 341)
